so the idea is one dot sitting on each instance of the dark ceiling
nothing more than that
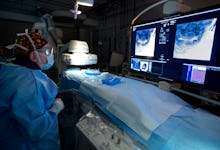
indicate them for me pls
(40, 7)
(61, 8)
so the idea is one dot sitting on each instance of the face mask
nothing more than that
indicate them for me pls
(50, 61)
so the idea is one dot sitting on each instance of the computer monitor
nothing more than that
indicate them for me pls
(169, 44)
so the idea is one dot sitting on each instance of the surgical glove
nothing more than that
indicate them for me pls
(58, 106)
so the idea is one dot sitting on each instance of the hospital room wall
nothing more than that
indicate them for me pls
(9, 28)
(114, 31)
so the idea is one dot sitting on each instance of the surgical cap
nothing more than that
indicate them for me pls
(28, 41)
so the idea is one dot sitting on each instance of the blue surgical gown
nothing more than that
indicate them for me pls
(26, 121)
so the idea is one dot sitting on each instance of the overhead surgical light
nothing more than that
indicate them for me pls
(85, 2)
(78, 12)
(172, 7)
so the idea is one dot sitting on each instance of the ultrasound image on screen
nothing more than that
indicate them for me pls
(144, 66)
(194, 40)
(135, 64)
(145, 42)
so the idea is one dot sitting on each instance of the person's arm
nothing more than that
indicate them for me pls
(30, 106)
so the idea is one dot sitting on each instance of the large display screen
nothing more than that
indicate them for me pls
(182, 48)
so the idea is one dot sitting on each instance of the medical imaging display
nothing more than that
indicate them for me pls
(135, 64)
(145, 42)
(169, 44)
(144, 66)
(194, 73)
(194, 40)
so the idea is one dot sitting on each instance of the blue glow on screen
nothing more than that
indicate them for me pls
(194, 40)
(195, 74)
(189, 44)
(145, 42)
(135, 64)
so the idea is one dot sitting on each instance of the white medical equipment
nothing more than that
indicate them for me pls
(78, 54)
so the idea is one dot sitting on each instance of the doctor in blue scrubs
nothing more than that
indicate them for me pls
(28, 103)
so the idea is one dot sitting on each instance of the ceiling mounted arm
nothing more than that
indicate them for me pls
(147, 9)
(170, 7)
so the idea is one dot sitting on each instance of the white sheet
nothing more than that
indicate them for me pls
(143, 107)
(163, 120)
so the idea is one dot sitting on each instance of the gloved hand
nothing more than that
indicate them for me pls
(58, 106)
